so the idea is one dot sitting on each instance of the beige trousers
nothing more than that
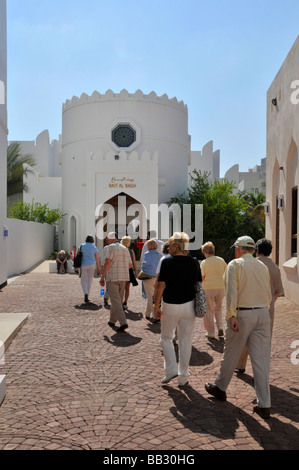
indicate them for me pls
(116, 291)
(255, 335)
(244, 356)
(149, 287)
(214, 298)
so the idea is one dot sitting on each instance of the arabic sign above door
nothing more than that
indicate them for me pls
(122, 183)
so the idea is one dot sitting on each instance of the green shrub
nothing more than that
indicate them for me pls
(34, 212)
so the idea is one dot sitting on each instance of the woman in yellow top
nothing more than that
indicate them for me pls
(212, 270)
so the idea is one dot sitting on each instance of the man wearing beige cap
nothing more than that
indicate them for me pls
(248, 296)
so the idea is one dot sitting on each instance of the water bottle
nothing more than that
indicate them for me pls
(102, 293)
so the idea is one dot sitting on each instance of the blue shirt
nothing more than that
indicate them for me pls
(89, 251)
(150, 262)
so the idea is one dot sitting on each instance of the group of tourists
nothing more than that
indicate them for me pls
(250, 285)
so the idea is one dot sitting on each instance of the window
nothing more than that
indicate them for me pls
(294, 220)
(123, 135)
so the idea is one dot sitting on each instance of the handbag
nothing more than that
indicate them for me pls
(142, 276)
(133, 279)
(200, 303)
(78, 259)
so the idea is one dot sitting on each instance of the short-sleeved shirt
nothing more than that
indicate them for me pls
(120, 262)
(89, 250)
(179, 273)
(212, 270)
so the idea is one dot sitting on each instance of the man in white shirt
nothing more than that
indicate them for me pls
(248, 297)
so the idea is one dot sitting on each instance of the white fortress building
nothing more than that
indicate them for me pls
(115, 150)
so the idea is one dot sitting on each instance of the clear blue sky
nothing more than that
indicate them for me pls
(218, 57)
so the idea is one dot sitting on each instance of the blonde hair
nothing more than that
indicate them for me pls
(126, 241)
(152, 244)
(182, 240)
(208, 248)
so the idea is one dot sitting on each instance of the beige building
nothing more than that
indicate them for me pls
(283, 172)
(252, 181)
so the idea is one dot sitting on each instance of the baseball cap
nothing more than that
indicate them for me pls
(245, 242)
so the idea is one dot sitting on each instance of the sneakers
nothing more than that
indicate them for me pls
(125, 305)
(212, 336)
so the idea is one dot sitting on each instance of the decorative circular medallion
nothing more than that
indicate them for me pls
(123, 135)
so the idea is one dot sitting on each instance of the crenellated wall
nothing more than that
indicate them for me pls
(124, 95)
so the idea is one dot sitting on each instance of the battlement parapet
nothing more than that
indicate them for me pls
(124, 95)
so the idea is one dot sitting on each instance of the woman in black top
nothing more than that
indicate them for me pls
(177, 277)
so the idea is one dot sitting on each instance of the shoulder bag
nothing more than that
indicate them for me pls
(78, 259)
(200, 303)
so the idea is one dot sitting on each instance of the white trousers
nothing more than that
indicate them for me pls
(180, 317)
(87, 274)
(255, 334)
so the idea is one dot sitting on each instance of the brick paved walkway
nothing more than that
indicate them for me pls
(74, 383)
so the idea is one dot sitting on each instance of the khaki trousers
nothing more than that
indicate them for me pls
(214, 298)
(116, 291)
(244, 356)
(149, 287)
(255, 335)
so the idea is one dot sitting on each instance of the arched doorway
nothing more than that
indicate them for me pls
(124, 215)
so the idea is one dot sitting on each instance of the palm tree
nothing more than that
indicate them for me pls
(254, 217)
(16, 170)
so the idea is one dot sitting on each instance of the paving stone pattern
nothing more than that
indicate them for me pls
(74, 383)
